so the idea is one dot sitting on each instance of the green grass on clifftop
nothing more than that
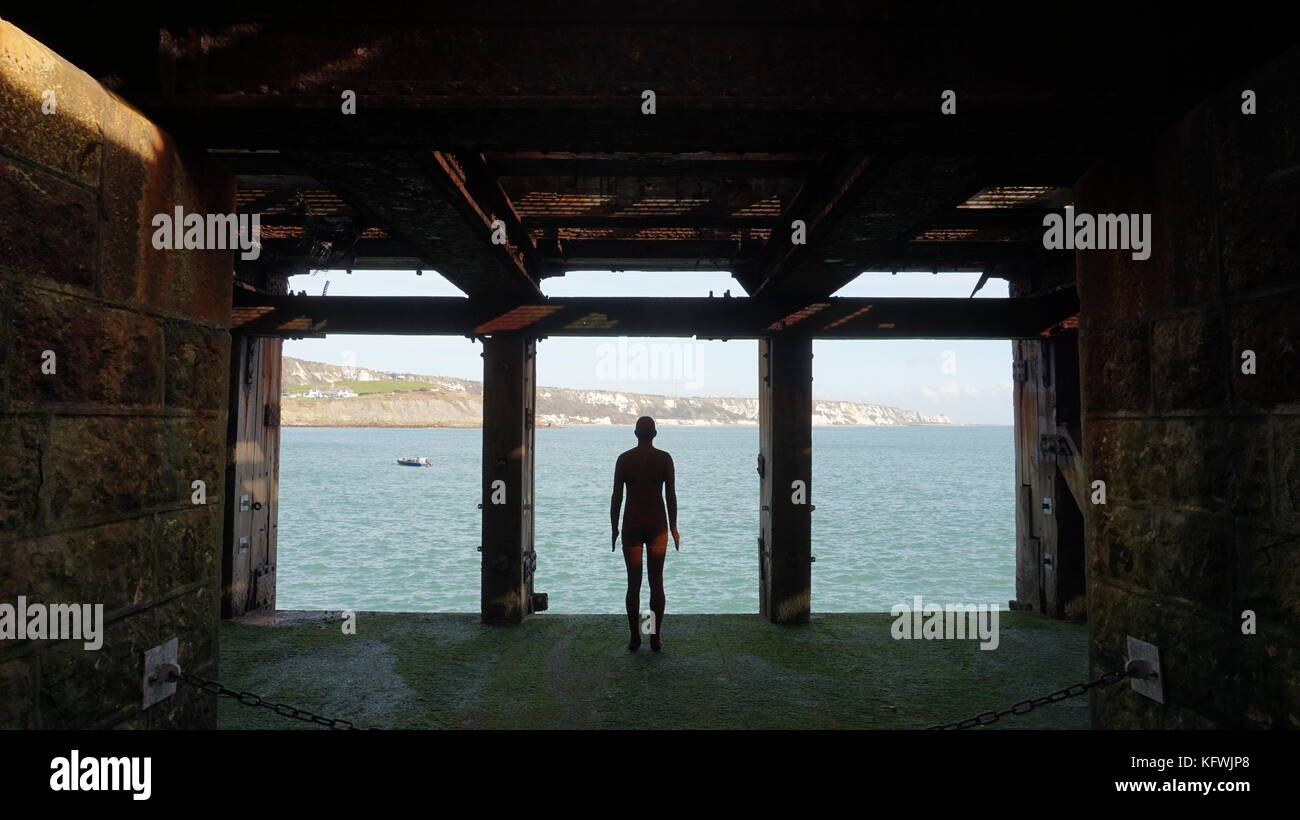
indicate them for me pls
(363, 388)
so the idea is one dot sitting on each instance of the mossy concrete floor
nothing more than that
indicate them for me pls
(841, 671)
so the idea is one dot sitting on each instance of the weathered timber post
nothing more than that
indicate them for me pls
(509, 399)
(1050, 483)
(252, 476)
(785, 484)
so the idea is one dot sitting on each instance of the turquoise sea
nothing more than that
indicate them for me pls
(901, 511)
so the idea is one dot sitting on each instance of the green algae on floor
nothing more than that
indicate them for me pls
(841, 671)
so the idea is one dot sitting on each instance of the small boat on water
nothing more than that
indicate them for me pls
(409, 461)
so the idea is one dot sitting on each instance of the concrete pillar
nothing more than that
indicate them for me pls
(785, 468)
(509, 399)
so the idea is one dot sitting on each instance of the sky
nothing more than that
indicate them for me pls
(968, 381)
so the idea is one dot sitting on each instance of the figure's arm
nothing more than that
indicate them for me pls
(615, 502)
(670, 496)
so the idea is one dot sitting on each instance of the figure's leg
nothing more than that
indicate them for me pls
(632, 557)
(658, 550)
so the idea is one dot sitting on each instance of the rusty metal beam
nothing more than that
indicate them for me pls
(625, 195)
(991, 219)
(699, 253)
(732, 77)
(723, 318)
(480, 186)
(827, 194)
(666, 166)
(973, 257)
(419, 198)
(369, 254)
(627, 254)
(872, 209)
(633, 223)
(481, 123)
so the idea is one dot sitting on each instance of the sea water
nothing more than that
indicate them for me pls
(900, 512)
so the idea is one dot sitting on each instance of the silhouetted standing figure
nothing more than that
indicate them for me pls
(648, 474)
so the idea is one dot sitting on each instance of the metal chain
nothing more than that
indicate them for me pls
(249, 699)
(1024, 707)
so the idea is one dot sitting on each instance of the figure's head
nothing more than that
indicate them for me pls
(645, 429)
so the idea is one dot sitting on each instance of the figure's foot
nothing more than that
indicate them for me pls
(634, 644)
(655, 643)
